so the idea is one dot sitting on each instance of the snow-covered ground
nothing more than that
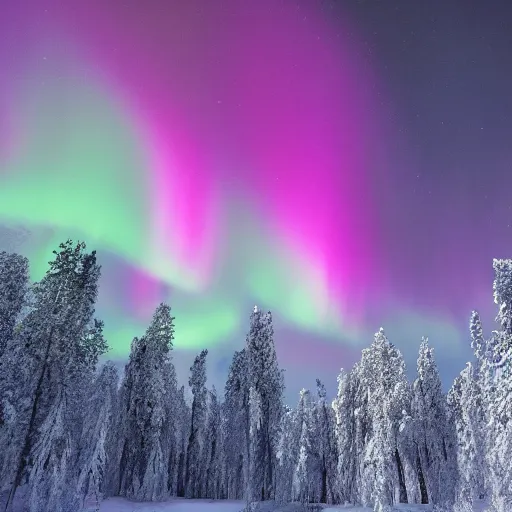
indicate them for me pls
(185, 505)
(182, 505)
(176, 505)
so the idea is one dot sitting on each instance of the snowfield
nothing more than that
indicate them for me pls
(176, 505)
(183, 505)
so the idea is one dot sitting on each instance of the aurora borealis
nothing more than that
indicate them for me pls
(219, 154)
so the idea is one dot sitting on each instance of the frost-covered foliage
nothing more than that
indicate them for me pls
(431, 433)
(196, 449)
(51, 356)
(146, 390)
(265, 383)
(236, 427)
(13, 289)
(497, 394)
(326, 447)
(95, 453)
(502, 288)
(68, 433)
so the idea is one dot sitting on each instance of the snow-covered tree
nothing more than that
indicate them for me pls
(51, 351)
(13, 288)
(144, 465)
(306, 483)
(350, 432)
(194, 470)
(212, 459)
(430, 430)
(463, 410)
(183, 418)
(325, 445)
(499, 444)
(236, 426)
(266, 386)
(98, 435)
(173, 427)
(287, 453)
(502, 288)
(497, 387)
(382, 376)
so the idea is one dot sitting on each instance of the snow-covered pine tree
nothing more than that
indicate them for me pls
(160, 398)
(144, 465)
(499, 444)
(183, 419)
(125, 424)
(314, 452)
(212, 458)
(194, 470)
(81, 377)
(382, 373)
(430, 430)
(352, 424)
(464, 413)
(478, 404)
(478, 343)
(502, 288)
(236, 426)
(50, 353)
(266, 387)
(13, 288)
(222, 491)
(327, 456)
(468, 412)
(98, 435)
(498, 393)
(172, 429)
(287, 453)
(306, 467)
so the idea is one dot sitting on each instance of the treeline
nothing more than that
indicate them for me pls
(71, 431)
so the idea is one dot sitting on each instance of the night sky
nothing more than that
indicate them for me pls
(347, 165)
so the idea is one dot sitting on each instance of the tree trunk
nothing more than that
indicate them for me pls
(27, 443)
(401, 478)
(180, 485)
(191, 439)
(421, 480)
(268, 483)
(323, 495)
(122, 470)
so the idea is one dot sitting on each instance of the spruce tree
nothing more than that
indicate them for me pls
(327, 456)
(266, 385)
(350, 435)
(50, 351)
(430, 429)
(97, 439)
(13, 288)
(212, 458)
(498, 393)
(194, 471)
(13, 291)
(236, 426)
(144, 465)
(183, 421)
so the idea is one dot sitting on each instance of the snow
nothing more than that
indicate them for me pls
(397, 508)
(185, 505)
(175, 505)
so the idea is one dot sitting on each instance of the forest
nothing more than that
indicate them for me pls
(72, 428)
